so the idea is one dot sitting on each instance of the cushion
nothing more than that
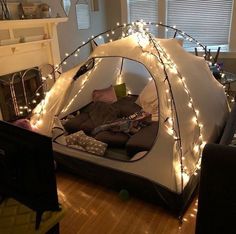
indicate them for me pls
(142, 140)
(148, 99)
(23, 123)
(80, 122)
(115, 139)
(120, 90)
(89, 144)
(127, 106)
(107, 95)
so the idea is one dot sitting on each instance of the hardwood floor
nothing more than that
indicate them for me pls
(93, 209)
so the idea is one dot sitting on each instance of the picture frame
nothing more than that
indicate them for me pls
(83, 14)
(66, 5)
(28, 11)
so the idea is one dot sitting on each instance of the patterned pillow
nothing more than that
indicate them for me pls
(86, 143)
(105, 95)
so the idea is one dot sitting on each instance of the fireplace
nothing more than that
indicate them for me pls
(38, 48)
(19, 93)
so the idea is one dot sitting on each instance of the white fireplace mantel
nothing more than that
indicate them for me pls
(28, 43)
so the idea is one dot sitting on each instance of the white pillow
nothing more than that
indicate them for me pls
(148, 100)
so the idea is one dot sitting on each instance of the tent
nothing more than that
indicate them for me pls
(192, 110)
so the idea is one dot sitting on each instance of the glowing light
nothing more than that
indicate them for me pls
(170, 120)
(170, 131)
(194, 119)
(39, 122)
(196, 148)
(203, 144)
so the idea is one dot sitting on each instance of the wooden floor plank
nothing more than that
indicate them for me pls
(93, 209)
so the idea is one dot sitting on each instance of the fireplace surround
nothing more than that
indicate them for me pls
(39, 47)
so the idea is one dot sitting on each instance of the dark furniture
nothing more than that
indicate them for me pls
(217, 191)
(27, 170)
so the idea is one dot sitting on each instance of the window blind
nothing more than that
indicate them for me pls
(206, 20)
(142, 9)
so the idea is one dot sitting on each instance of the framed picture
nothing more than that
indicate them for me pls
(66, 4)
(28, 11)
(83, 14)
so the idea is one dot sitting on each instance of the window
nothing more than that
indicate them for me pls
(209, 21)
(142, 9)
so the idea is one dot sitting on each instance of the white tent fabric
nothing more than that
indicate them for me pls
(163, 162)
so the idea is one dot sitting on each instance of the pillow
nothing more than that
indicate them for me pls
(143, 140)
(23, 123)
(107, 95)
(148, 100)
(81, 141)
(120, 90)
(115, 139)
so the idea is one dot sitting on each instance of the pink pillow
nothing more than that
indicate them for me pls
(107, 95)
(23, 123)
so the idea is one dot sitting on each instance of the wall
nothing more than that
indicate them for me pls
(70, 37)
(68, 34)
(113, 12)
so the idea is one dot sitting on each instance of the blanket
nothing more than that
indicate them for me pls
(130, 125)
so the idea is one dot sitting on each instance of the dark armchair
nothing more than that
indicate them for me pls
(217, 192)
(217, 189)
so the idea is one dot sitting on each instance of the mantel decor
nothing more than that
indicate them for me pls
(5, 14)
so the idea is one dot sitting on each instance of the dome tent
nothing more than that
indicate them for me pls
(192, 110)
